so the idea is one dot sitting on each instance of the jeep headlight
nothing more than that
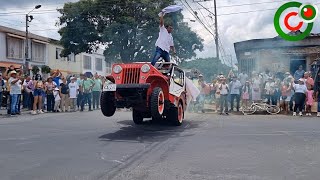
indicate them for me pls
(145, 68)
(117, 69)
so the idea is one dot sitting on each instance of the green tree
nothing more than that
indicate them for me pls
(128, 29)
(207, 66)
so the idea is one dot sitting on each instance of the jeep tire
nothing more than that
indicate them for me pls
(137, 117)
(107, 102)
(176, 115)
(157, 104)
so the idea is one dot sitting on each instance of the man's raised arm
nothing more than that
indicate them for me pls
(161, 20)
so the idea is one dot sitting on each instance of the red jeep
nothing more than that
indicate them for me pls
(157, 92)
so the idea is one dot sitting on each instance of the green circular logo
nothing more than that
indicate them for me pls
(277, 26)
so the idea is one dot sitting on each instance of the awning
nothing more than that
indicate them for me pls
(37, 41)
(16, 36)
(8, 64)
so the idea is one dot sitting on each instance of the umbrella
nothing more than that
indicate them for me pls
(88, 74)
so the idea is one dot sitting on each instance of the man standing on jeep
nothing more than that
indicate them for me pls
(164, 43)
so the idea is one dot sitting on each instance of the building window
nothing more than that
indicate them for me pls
(108, 67)
(98, 64)
(58, 53)
(87, 62)
(38, 52)
(71, 58)
(15, 48)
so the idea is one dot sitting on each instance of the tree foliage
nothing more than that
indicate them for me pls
(209, 67)
(127, 28)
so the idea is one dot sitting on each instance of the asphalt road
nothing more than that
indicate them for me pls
(88, 146)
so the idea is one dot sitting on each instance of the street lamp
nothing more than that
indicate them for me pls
(29, 18)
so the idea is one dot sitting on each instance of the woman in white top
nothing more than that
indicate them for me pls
(299, 96)
(256, 90)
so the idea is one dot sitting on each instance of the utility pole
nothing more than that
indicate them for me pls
(27, 42)
(29, 18)
(216, 29)
(216, 35)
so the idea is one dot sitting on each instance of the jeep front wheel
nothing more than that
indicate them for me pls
(137, 117)
(157, 103)
(107, 102)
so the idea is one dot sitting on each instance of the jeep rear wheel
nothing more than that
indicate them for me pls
(157, 103)
(137, 117)
(176, 115)
(108, 107)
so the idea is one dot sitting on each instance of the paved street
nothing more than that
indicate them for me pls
(85, 146)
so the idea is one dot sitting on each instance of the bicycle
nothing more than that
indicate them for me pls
(271, 109)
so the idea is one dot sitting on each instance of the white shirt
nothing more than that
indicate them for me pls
(235, 87)
(243, 78)
(15, 88)
(165, 40)
(224, 89)
(73, 90)
(300, 88)
(56, 95)
(269, 87)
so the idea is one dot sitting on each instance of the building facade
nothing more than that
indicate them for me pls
(13, 48)
(46, 51)
(67, 65)
(277, 55)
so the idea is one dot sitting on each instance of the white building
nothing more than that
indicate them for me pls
(95, 63)
(46, 51)
(13, 48)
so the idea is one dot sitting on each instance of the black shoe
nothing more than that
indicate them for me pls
(227, 113)
(13, 114)
(81, 110)
(90, 110)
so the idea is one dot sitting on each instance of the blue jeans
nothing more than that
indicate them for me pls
(79, 100)
(318, 104)
(160, 53)
(86, 97)
(26, 99)
(1, 99)
(14, 103)
(50, 102)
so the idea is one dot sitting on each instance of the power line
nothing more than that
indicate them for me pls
(194, 15)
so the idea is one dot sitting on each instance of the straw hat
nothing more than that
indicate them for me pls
(12, 72)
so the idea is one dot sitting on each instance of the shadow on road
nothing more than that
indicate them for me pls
(149, 131)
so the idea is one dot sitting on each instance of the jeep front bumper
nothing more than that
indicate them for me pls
(132, 95)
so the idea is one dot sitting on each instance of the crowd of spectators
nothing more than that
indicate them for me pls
(292, 92)
(55, 93)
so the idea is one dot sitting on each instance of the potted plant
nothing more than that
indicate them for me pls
(35, 70)
(45, 70)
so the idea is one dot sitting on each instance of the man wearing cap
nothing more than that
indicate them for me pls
(235, 87)
(87, 85)
(15, 92)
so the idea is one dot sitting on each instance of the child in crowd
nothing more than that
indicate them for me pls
(246, 94)
(57, 99)
(309, 100)
(224, 91)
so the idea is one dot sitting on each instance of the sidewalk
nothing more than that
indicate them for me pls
(3, 112)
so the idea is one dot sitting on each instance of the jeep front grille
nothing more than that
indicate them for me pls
(131, 75)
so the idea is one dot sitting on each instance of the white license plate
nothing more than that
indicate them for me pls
(110, 87)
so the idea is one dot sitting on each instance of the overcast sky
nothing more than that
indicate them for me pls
(234, 21)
